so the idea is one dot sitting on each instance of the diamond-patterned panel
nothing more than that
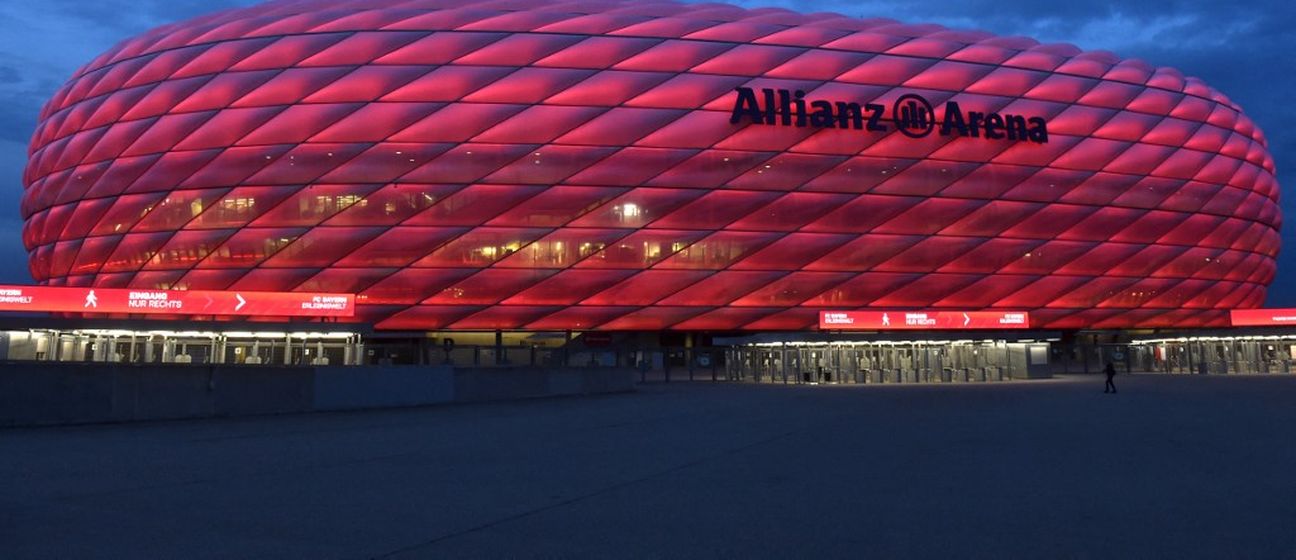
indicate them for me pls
(572, 165)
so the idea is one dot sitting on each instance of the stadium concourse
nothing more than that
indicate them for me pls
(1036, 469)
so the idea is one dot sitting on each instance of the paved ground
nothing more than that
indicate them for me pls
(1171, 467)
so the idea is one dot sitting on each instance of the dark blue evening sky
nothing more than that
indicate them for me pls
(1243, 49)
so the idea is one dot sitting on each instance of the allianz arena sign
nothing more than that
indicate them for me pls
(911, 114)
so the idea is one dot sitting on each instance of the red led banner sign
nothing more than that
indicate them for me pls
(922, 320)
(1262, 317)
(175, 302)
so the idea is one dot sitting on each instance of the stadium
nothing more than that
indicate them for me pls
(648, 167)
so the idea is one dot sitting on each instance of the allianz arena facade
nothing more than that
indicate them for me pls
(622, 165)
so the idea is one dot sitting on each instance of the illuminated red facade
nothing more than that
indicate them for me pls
(575, 165)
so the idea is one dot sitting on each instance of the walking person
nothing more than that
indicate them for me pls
(1110, 370)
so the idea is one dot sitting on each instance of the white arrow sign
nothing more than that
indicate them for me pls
(966, 319)
(242, 302)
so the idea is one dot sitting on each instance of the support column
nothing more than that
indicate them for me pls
(688, 353)
(783, 361)
(566, 349)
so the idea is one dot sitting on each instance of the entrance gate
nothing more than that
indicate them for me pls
(854, 362)
(182, 347)
(1215, 355)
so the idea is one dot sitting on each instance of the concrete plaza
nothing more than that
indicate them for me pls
(1171, 467)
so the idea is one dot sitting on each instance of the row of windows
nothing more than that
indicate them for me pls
(618, 249)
